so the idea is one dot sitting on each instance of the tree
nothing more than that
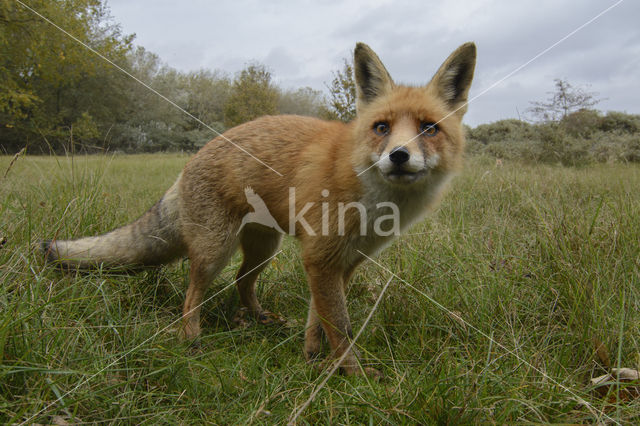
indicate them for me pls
(342, 92)
(152, 123)
(208, 93)
(252, 95)
(303, 101)
(563, 101)
(50, 85)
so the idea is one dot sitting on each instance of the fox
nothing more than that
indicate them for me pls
(331, 185)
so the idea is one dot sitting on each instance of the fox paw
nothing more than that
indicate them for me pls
(371, 372)
(321, 364)
(314, 358)
(267, 318)
(374, 373)
(242, 318)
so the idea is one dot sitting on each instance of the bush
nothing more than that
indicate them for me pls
(620, 122)
(502, 130)
(582, 123)
(580, 138)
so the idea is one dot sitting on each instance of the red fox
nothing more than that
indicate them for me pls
(344, 190)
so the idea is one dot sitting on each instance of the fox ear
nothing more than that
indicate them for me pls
(453, 79)
(372, 78)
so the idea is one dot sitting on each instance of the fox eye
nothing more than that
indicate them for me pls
(381, 128)
(428, 129)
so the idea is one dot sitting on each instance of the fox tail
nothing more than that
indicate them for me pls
(153, 239)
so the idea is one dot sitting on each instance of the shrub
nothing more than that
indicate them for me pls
(582, 137)
(502, 130)
(620, 122)
(582, 123)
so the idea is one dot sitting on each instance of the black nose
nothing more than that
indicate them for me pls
(399, 155)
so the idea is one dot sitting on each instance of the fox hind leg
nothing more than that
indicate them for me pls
(208, 255)
(259, 243)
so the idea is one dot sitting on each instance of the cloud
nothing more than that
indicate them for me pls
(303, 42)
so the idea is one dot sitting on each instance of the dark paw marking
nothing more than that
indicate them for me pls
(241, 319)
(244, 318)
(313, 357)
(268, 318)
(195, 346)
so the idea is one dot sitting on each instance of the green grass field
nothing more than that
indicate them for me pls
(534, 265)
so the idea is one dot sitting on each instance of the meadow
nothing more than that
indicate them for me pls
(522, 286)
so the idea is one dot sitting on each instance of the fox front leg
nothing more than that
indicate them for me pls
(329, 308)
(313, 330)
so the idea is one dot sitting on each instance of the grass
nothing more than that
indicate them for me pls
(539, 261)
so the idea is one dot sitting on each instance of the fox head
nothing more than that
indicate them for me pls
(406, 134)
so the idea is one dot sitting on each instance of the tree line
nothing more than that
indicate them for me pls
(56, 95)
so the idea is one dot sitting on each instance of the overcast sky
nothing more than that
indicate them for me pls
(302, 42)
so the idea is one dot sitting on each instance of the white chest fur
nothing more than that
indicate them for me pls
(385, 222)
